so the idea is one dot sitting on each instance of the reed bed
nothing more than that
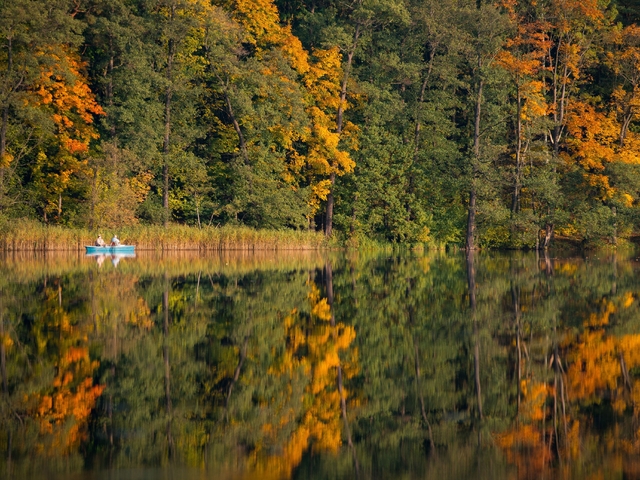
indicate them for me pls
(29, 235)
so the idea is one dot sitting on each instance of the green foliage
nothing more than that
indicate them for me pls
(241, 113)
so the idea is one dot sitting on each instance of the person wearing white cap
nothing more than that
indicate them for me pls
(115, 241)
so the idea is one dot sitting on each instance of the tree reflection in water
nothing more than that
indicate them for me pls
(301, 365)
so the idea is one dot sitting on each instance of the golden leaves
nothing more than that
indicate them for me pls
(140, 185)
(5, 160)
(320, 74)
(65, 91)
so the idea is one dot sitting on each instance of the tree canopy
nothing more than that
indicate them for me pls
(472, 122)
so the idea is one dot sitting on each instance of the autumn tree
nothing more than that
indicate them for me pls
(62, 92)
(29, 30)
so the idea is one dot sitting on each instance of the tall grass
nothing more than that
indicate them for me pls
(30, 235)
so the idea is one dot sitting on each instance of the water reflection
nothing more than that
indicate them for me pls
(115, 258)
(301, 365)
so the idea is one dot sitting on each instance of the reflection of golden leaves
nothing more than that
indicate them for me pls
(627, 300)
(594, 370)
(140, 315)
(6, 340)
(64, 412)
(320, 421)
(534, 400)
(322, 310)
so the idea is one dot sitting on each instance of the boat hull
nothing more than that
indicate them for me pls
(108, 250)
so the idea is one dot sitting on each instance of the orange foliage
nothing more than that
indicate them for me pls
(527, 444)
(64, 90)
(321, 420)
(63, 93)
(63, 407)
(594, 143)
(71, 399)
(594, 366)
(596, 359)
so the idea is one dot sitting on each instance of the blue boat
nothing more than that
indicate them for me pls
(109, 250)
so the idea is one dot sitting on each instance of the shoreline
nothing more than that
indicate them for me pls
(31, 236)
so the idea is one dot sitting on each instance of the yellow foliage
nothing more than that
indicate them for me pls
(140, 185)
(5, 160)
(321, 74)
(140, 315)
(627, 300)
(321, 420)
(6, 341)
(566, 268)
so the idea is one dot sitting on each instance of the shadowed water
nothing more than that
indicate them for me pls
(307, 365)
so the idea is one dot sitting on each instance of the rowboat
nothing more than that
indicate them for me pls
(109, 250)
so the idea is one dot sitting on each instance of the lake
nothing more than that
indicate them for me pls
(319, 366)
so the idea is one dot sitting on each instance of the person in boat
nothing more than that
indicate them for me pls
(115, 241)
(100, 241)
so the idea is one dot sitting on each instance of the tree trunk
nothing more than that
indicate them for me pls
(236, 126)
(3, 147)
(339, 121)
(3, 356)
(94, 194)
(516, 313)
(198, 212)
(515, 204)
(626, 121)
(547, 236)
(471, 218)
(110, 88)
(236, 375)
(328, 226)
(416, 139)
(5, 122)
(167, 129)
(421, 396)
(352, 229)
(614, 213)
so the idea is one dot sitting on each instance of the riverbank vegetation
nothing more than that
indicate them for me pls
(467, 123)
(25, 235)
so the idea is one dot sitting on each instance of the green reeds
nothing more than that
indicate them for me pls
(30, 235)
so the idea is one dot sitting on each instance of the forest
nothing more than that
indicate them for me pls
(446, 122)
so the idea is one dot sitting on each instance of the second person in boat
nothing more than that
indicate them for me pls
(115, 241)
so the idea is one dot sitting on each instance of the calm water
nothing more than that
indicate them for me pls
(301, 365)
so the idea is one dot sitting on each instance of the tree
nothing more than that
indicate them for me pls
(486, 28)
(29, 32)
(62, 92)
(174, 26)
